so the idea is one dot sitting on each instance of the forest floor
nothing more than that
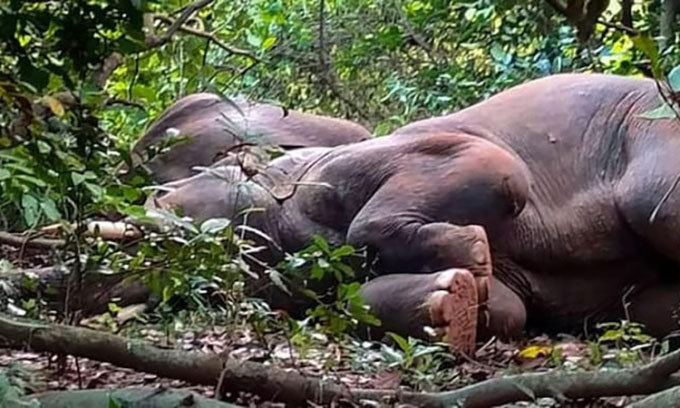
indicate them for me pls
(408, 365)
(355, 364)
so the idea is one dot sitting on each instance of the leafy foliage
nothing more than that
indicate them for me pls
(622, 342)
(338, 306)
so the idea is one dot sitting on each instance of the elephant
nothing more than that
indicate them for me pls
(549, 206)
(214, 126)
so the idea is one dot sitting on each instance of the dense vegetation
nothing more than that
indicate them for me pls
(81, 79)
(102, 70)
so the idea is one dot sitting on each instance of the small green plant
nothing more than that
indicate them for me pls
(422, 364)
(621, 341)
(326, 278)
(410, 354)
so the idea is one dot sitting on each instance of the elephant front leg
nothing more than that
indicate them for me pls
(453, 246)
(447, 302)
(429, 248)
(456, 300)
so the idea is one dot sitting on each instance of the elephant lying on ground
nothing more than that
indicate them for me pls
(554, 180)
(215, 126)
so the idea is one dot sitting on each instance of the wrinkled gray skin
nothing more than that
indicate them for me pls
(562, 173)
(214, 126)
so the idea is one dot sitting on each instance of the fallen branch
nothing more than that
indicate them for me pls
(142, 396)
(665, 399)
(15, 240)
(293, 388)
(94, 294)
(197, 368)
(651, 378)
(116, 231)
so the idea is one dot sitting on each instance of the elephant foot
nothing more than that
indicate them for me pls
(453, 309)
(447, 301)
(480, 253)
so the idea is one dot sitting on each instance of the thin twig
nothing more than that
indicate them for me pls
(619, 27)
(211, 37)
(153, 41)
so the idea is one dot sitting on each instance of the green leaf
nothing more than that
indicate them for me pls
(343, 251)
(674, 79)
(167, 293)
(214, 225)
(94, 189)
(32, 180)
(662, 112)
(44, 147)
(497, 52)
(50, 209)
(77, 178)
(391, 37)
(4, 174)
(317, 272)
(611, 335)
(470, 13)
(253, 39)
(345, 269)
(114, 308)
(382, 129)
(648, 46)
(55, 106)
(422, 351)
(29, 204)
(402, 342)
(309, 293)
(277, 278)
(321, 244)
(268, 43)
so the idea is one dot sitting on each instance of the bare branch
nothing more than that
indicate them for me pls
(327, 73)
(620, 27)
(627, 13)
(124, 102)
(209, 36)
(153, 41)
(109, 65)
(559, 7)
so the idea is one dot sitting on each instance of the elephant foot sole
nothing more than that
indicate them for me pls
(455, 311)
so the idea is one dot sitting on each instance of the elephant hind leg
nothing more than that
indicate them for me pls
(657, 309)
(648, 198)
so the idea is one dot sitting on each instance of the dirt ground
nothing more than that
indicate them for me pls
(43, 372)
(351, 362)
